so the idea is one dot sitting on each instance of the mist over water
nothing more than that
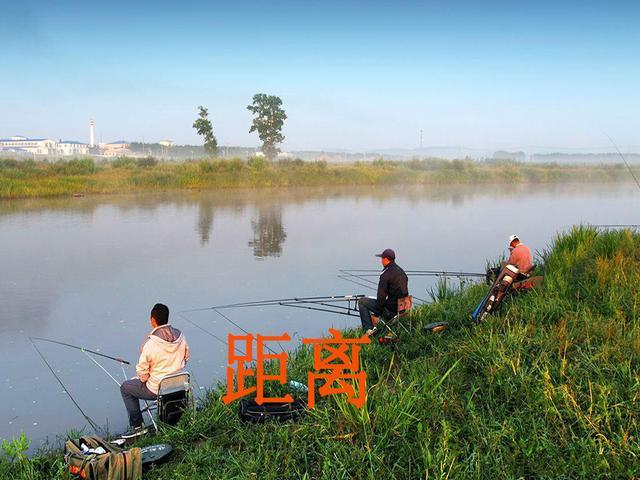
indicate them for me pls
(87, 271)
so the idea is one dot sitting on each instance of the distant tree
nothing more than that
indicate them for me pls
(268, 120)
(205, 130)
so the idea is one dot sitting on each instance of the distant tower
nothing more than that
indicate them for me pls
(92, 134)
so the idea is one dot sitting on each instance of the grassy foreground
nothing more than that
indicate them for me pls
(549, 388)
(26, 178)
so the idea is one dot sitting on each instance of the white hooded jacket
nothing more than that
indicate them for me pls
(164, 352)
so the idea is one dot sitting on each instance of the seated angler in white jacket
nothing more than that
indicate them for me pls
(165, 351)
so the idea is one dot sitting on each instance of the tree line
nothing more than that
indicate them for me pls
(268, 120)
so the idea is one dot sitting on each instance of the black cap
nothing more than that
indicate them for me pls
(388, 253)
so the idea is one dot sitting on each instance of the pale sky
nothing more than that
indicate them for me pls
(352, 75)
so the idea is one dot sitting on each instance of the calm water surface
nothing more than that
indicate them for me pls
(87, 271)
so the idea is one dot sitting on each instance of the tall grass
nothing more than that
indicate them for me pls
(27, 178)
(547, 388)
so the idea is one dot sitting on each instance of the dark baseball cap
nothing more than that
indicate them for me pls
(388, 253)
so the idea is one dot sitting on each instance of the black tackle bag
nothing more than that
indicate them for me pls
(250, 411)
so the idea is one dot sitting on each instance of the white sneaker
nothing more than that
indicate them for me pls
(134, 432)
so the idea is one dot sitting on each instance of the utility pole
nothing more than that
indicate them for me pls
(420, 139)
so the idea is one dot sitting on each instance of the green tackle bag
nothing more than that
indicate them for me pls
(109, 462)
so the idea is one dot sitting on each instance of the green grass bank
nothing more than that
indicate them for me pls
(27, 178)
(548, 388)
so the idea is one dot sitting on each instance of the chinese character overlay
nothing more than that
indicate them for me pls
(336, 362)
(241, 372)
(342, 370)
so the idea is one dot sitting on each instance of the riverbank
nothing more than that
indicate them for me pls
(546, 389)
(29, 179)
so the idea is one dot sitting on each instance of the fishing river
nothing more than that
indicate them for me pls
(87, 271)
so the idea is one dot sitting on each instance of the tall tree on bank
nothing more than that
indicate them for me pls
(205, 130)
(268, 120)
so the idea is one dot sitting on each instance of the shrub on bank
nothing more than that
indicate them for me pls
(124, 162)
(147, 162)
(257, 163)
(83, 166)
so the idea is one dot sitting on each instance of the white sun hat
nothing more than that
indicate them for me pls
(513, 237)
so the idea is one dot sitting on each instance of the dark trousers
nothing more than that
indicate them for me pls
(132, 392)
(367, 306)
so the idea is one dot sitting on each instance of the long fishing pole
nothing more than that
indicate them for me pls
(278, 301)
(82, 349)
(624, 160)
(329, 304)
(348, 313)
(247, 333)
(64, 388)
(101, 367)
(354, 280)
(349, 273)
(418, 273)
(351, 277)
(209, 333)
(620, 225)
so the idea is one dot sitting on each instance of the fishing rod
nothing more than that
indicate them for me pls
(82, 349)
(350, 277)
(246, 333)
(622, 225)
(624, 160)
(89, 354)
(348, 311)
(356, 281)
(416, 273)
(181, 315)
(209, 333)
(64, 388)
(312, 303)
(281, 301)
(353, 279)
(104, 369)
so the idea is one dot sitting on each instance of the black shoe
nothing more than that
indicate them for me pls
(135, 432)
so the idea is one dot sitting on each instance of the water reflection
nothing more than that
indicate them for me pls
(205, 221)
(268, 232)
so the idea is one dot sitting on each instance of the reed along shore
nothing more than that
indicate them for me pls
(29, 179)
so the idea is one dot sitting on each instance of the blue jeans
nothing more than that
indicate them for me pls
(367, 306)
(132, 392)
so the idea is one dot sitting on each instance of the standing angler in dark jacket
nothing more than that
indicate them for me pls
(393, 285)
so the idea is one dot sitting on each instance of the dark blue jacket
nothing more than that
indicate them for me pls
(393, 285)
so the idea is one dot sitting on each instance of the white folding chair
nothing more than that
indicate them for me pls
(174, 397)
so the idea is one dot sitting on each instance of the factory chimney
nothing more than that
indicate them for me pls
(92, 134)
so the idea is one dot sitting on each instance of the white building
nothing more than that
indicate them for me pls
(35, 146)
(68, 148)
(120, 148)
(43, 147)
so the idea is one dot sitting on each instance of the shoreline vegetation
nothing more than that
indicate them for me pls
(546, 388)
(30, 179)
